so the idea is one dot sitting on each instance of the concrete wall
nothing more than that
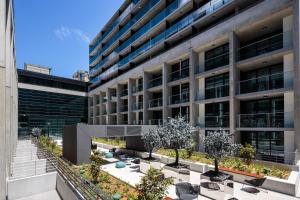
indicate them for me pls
(8, 92)
(65, 190)
(18, 188)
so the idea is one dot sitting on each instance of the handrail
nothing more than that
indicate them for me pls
(155, 103)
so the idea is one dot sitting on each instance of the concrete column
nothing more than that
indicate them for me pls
(233, 80)
(201, 115)
(296, 43)
(201, 65)
(118, 103)
(145, 98)
(130, 101)
(94, 109)
(289, 147)
(165, 91)
(194, 62)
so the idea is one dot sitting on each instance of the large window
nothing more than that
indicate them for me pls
(217, 115)
(269, 144)
(217, 57)
(217, 86)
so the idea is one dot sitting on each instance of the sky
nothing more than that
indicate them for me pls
(56, 33)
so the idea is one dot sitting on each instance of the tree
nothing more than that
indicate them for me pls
(248, 153)
(36, 132)
(218, 145)
(152, 141)
(176, 134)
(153, 185)
(94, 167)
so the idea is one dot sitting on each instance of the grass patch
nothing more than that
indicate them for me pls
(113, 142)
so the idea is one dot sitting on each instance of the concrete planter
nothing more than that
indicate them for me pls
(144, 166)
(179, 174)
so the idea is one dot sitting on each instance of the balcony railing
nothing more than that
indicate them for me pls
(155, 82)
(179, 98)
(180, 74)
(124, 122)
(104, 112)
(137, 106)
(137, 88)
(153, 103)
(267, 82)
(213, 92)
(217, 61)
(124, 108)
(266, 45)
(155, 122)
(266, 120)
(113, 110)
(137, 122)
(221, 121)
(124, 92)
(104, 100)
(113, 97)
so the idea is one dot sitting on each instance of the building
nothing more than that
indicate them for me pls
(37, 68)
(49, 102)
(8, 91)
(81, 75)
(231, 64)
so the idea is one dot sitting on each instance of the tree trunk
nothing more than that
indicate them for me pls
(216, 167)
(177, 157)
(150, 154)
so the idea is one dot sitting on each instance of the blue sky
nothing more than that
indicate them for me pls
(56, 33)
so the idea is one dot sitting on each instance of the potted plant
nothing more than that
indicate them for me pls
(218, 145)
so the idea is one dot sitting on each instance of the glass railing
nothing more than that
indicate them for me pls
(180, 74)
(104, 100)
(137, 106)
(113, 110)
(201, 12)
(218, 91)
(266, 120)
(221, 121)
(124, 122)
(137, 122)
(155, 82)
(266, 45)
(137, 88)
(113, 98)
(155, 103)
(124, 108)
(104, 112)
(124, 93)
(155, 122)
(179, 98)
(267, 82)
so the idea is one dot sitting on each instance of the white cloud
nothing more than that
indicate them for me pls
(65, 32)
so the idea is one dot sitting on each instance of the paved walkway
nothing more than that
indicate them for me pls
(50, 195)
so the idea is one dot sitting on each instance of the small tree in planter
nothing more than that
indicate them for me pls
(152, 141)
(36, 132)
(248, 153)
(176, 134)
(153, 185)
(218, 145)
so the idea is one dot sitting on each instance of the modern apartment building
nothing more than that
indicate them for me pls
(49, 102)
(81, 75)
(231, 64)
(8, 92)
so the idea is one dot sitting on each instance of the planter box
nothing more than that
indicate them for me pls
(216, 190)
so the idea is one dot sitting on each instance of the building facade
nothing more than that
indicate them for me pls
(50, 102)
(81, 75)
(231, 64)
(8, 92)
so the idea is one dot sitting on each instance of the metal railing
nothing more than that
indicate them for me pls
(266, 120)
(221, 121)
(179, 74)
(155, 121)
(137, 106)
(124, 108)
(213, 92)
(137, 122)
(179, 98)
(124, 92)
(214, 62)
(137, 88)
(153, 103)
(267, 82)
(155, 82)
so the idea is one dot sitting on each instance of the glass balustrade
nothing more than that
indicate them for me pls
(267, 82)
(137, 88)
(179, 98)
(137, 122)
(155, 103)
(124, 92)
(124, 108)
(218, 91)
(221, 121)
(266, 120)
(137, 106)
(155, 122)
(177, 75)
(155, 82)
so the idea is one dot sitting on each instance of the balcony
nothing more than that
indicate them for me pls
(155, 122)
(177, 75)
(213, 92)
(124, 93)
(266, 45)
(113, 97)
(266, 120)
(124, 108)
(104, 112)
(179, 98)
(113, 110)
(137, 88)
(137, 106)
(267, 82)
(153, 103)
(104, 100)
(137, 122)
(155, 82)
(221, 121)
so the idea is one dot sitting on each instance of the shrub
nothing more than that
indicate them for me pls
(248, 153)
(94, 167)
(153, 185)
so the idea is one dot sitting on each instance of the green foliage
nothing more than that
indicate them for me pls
(94, 167)
(114, 142)
(154, 185)
(50, 145)
(248, 153)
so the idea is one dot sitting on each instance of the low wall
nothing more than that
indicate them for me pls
(23, 187)
(64, 189)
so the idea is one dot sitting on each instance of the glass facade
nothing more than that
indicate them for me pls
(217, 57)
(217, 115)
(269, 144)
(217, 86)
